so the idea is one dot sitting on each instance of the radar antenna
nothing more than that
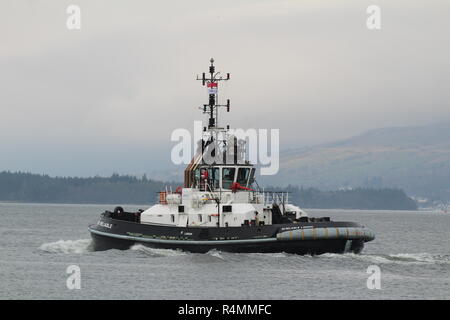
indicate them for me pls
(212, 83)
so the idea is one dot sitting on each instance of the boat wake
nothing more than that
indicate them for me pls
(216, 254)
(154, 252)
(399, 258)
(84, 246)
(68, 246)
(271, 255)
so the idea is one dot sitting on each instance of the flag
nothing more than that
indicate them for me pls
(212, 87)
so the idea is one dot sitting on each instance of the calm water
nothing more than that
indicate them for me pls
(38, 242)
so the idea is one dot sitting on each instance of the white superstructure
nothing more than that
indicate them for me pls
(221, 192)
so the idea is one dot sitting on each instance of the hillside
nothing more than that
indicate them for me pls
(359, 198)
(415, 159)
(27, 187)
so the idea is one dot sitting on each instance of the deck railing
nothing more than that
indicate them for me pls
(254, 196)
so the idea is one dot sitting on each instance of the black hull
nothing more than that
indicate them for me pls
(117, 234)
(312, 247)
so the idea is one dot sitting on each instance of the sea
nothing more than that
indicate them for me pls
(43, 246)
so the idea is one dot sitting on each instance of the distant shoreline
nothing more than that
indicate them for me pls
(116, 190)
(109, 206)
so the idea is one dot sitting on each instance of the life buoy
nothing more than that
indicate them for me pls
(179, 189)
(118, 210)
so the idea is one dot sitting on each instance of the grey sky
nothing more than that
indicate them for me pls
(106, 98)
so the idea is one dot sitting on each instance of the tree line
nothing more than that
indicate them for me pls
(116, 189)
(127, 189)
(357, 198)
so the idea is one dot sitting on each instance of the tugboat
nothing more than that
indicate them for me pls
(222, 207)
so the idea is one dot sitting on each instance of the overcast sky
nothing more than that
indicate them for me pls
(106, 98)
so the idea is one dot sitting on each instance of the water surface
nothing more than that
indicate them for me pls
(39, 241)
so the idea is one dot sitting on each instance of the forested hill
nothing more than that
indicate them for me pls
(359, 198)
(414, 159)
(27, 187)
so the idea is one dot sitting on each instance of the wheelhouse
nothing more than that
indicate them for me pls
(222, 177)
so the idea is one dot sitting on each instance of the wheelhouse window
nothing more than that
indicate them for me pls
(242, 177)
(204, 179)
(228, 177)
(252, 177)
(214, 174)
(208, 175)
(197, 177)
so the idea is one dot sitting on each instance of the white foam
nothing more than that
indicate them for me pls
(276, 255)
(421, 257)
(154, 252)
(270, 255)
(215, 253)
(353, 256)
(67, 246)
(399, 258)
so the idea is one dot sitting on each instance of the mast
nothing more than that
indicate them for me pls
(212, 107)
